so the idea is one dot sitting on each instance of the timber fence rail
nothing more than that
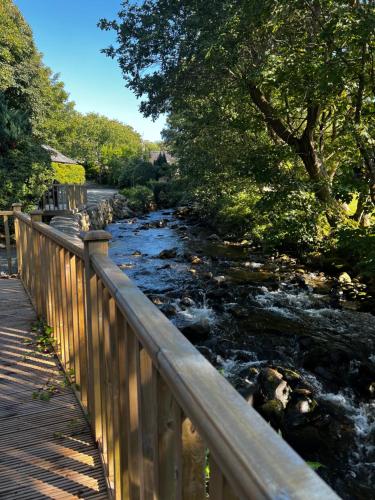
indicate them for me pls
(168, 425)
(64, 197)
(5, 215)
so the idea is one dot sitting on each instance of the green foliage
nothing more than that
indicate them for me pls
(235, 212)
(315, 465)
(24, 165)
(44, 338)
(69, 174)
(35, 109)
(97, 142)
(357, 246)
(42, 395)
(292, 221)
(169, 194)
(270, 107)
(136, 171)
(140, 198)
(25, 172)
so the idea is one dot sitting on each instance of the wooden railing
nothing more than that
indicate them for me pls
(4, 216)
(64, 197)
(168, 425)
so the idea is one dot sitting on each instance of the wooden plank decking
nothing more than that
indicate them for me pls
(46, 448)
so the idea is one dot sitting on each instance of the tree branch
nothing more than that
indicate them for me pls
(270, 115)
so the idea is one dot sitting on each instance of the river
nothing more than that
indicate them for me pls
(297, 344)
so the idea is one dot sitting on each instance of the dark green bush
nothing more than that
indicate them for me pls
(140, 198)
(136, 172)
(357, 246)
(291, 220)
(169, 194)
(25, 173)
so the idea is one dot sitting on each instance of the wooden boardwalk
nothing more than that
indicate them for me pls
(46, 448)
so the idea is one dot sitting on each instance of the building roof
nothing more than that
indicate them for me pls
(154, 155)
(58, 157)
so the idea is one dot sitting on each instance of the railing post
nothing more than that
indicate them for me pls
(7, 244)
(37, 281)
(17, 208)
(95, 242)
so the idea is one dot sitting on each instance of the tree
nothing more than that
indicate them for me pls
(291, 60)
(96, 141)
(24, 166)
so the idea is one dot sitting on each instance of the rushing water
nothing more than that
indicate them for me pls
(247, 312)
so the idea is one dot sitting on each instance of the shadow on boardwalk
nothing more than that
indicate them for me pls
(46, 448)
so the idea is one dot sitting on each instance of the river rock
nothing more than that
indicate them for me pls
(248, 391)
(195, 260)
(197, 331)
(168, 309)
(273, 386)
(182, 211)
(291, 376)
(120, 207)
(344, 278)
(214, 237)
(272, 411)
(157, 299)
(126, 265)
(239, 311)
(108, 210)
(187, 302)
(169, 253)
(300, 281)
(165, 266)
(219, 280)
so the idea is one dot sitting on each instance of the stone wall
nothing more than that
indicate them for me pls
(107, 211)
(96, 216)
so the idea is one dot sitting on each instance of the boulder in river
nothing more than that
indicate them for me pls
(273, 386)
(272, 411)
(169, 253)
(196, 331)
(187, 302)
(219, 280)
(168, 309)
(195, 260)
(345, 278)
(214, 237)
(165, 266)
(126, 265)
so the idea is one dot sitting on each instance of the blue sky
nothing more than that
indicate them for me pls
(65, 32)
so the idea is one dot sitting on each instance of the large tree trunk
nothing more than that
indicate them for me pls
(315, 169)
(304, 146)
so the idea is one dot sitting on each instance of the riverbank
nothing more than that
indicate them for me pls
(288, 338)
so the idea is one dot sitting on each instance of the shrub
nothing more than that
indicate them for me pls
(135, 172)
(69, 174)
(357, 246)
(291, 221)
(235, 212)
(25, 173)
(140, 198)
(169, 194)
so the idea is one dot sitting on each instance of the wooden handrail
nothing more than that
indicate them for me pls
(158, 409)
(213, 405)
(5, 214)
(64, 197)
